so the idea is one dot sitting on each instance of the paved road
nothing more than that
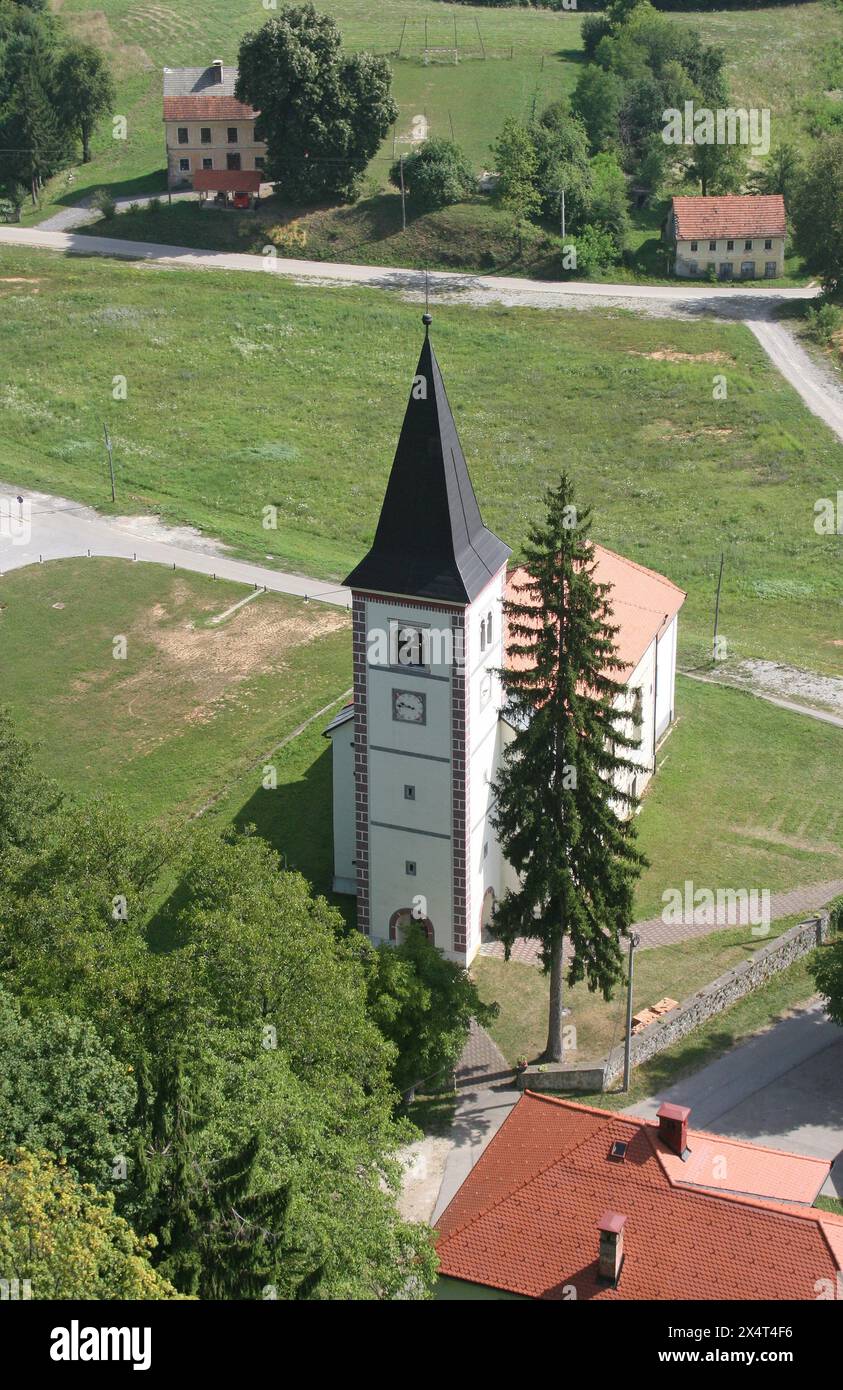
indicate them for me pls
(819, 390)
(501, 288)
(782, 1088)
(61, 529)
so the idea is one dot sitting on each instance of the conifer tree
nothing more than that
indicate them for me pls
(564, 799)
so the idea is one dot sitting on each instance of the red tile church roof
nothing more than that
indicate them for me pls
(525, 1219)
(642, 602)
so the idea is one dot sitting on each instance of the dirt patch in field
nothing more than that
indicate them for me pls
(662, 355)
(774, 837)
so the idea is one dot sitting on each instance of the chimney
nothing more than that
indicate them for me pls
(216, 69)
(673, 1127)
(610, 1261)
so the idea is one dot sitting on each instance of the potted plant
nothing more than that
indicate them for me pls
(521, 1063)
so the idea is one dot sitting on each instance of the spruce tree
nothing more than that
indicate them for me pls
(564, 804)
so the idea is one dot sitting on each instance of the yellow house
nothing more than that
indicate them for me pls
(736, 236)
(205, 126)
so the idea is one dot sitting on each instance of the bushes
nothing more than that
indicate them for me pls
(823, 323)
(104, 202)
(596, 249)
(436, 174)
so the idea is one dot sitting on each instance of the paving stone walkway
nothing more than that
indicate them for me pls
(655, 932)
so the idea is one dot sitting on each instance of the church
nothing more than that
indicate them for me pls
(416, 753)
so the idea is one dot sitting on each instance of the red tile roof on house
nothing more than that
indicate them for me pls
(526, 1218)
(219, 108)
(732, 215)
(643, 602)
(227, 180)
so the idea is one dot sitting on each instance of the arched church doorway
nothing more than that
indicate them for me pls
(402, 919)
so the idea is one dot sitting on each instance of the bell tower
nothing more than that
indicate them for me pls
(426, 607)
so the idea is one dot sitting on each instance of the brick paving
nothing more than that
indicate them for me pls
(655, 932)
(482, 1060)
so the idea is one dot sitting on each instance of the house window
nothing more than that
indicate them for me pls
(184, 166)
(770, 270)
(730, 246)
(407, 646)
(232, 161)
(748, 269)
(693, 246)
(712, 246)
(747, 246)
(409, 792)
(259, 161)
(768, 245)
(692, 268)
(182, 134)
(726, 270)
(410, 868)
(207, 164)
(205, 134)
(232, 135)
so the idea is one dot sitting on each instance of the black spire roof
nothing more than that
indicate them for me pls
(431, 541)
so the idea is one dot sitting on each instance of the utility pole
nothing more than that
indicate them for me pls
(634, 942)
(717, 609)
(110, 461)
(403, 197)
(562, 211)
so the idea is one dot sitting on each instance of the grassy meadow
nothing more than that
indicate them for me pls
(193, 706)
(224, 372)
(776, 59)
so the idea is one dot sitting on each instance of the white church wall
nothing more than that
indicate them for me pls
(666, 678)
(428, 890)
(485, 656)
(342, 770)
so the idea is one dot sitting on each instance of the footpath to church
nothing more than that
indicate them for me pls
(655, 932)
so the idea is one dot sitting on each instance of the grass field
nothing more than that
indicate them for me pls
(223, 372)
(192, 707)
(775, 60)
(677, 972)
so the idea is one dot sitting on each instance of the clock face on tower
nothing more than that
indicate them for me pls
(409, 707)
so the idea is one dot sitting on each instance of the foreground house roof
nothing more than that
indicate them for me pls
(227, 180)
(526, 1219)
(643, 603)
(730, 215)
(430, 540)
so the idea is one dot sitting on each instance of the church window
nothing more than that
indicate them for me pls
(482, 634)
(407, 646)
(488, 629)
(409, 792)
(410, 867)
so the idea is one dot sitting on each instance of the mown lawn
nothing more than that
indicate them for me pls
(675, 972)
(223, 375)
(192, 707)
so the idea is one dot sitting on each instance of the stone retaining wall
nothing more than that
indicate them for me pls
(710, 1000)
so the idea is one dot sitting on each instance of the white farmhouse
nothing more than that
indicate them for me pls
(417, 751)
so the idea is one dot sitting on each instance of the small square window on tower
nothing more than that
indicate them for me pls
(410, 867)
(409, 792)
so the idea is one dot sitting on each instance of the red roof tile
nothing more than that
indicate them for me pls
(525, 1219)
(731, 215)
(642, 602)
(207, 109)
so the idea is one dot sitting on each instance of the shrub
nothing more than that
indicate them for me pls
(596, 248)
(154, 205)
(835, 915)
(823, 323)
(104, 202)
(594, 28)
(435, 174)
